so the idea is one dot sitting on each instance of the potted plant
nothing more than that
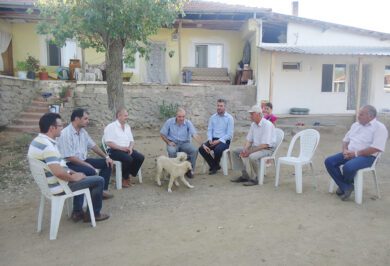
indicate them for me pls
(21, 66)
(32, 66)
(43, 74)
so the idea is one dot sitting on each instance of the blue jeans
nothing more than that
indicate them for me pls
(95, 185)
(186, 147)
(344, 179)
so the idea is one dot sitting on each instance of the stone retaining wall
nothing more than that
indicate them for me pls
(15, 94)
(143, 102)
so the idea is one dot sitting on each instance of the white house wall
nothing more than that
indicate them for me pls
(303, 88)
(299, 34)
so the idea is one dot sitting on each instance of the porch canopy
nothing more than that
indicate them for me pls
(329, 50)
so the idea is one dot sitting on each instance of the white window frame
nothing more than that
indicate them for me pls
(386, 78)
(335, 88)
(210, 44)
(136, 65)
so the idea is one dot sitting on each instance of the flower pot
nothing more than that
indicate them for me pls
(22, 74)
(43, 75)
(31, 74)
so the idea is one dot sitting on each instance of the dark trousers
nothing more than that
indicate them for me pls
(95, 185)
(131, 163)
(101, 164)
(218, 150)
(345, 178)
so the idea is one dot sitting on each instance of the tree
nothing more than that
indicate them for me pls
(108, 26)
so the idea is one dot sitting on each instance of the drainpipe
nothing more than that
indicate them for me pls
(359, 86)
(271, 78)
(180, 63)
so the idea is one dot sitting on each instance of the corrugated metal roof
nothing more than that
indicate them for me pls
(329, 50)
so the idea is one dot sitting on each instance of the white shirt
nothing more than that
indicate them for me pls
(262, 133)
(114, 133)
(373, 134)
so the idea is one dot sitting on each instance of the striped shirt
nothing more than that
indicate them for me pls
(73, 143)
(44, 149)
(178, 133)
(220, 127)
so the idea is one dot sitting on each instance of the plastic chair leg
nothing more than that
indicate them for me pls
(298, 178)
(224, 162)
(331, 185)
(139, 176)
(376, 184)
(261, 171)
(118, 174)
(277, 173)
(358, 182)
(57, 205)
(90, 207)
(40, 213)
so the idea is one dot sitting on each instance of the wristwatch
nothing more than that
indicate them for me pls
(107, 157)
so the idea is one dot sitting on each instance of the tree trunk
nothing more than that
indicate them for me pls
(115, 93)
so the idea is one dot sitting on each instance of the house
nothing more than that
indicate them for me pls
(293, 61)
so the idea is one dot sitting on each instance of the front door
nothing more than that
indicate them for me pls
(156, 64)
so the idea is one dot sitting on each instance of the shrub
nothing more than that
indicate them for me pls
(167, 110)
(32, 64)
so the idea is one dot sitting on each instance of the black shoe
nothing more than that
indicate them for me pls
(346, 195)
(77, 216)
(251, 182)
(190, 174)
(239, 179)
(339, 192)
(213, 172)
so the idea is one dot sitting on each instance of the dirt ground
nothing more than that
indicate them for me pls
(216, 223)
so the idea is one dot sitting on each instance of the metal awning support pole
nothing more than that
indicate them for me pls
(83, 62)
(359, 86)
(180, 63)
(271, 78)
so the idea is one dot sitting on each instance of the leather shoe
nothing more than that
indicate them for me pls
(107, 195)
(98, 217)
(213, 171)
(190, 174)
(239, 179)
(125, 183)
(346, 195)
(339, 192)
(77, 216)
(250, 182)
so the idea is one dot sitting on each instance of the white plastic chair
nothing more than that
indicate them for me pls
(118, 169)
(309, 139)
(57, 202)
(262, 168)
(226, 162)
(358, 181)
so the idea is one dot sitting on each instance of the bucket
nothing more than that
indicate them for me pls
(54, 108)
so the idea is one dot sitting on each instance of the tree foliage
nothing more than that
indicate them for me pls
(108, 26)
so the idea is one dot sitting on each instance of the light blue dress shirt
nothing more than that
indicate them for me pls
(178, 133)
(221, 127)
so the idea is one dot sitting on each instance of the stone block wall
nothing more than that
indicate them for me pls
(143, 100)
(15, 94)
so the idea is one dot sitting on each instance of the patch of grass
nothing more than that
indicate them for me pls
(167, 110)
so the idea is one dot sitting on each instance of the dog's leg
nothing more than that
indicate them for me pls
(176, 182)
(159, 174)
(171, 180)
(186, 182)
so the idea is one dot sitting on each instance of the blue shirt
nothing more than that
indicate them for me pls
(178, 133)
(220, 127)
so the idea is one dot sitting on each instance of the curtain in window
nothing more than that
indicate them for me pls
(5, 39)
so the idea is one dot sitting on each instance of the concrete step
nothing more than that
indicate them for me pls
(23, 128)
(32, 115)
(37, 109)
(25, 121)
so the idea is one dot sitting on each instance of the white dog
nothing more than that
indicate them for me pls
(175, 168)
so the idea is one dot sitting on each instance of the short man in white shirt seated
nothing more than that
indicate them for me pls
(361, 145)
(120, 140)
(260, 142)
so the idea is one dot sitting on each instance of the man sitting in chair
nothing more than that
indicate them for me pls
(260, 142)
(219, 134)
(361, 145)
(119, 139)
(44, 148)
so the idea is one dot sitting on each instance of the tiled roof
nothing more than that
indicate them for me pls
(215, 7)
(329, 50)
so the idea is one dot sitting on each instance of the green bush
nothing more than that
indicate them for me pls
(167, 110)
(21, 65)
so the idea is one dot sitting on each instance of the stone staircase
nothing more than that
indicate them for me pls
(211, 75)
(28, 120)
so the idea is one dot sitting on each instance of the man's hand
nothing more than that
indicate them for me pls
(245, 153)
(109, 162)
(214, 143)
(130, 150)
(77, 176)
(207, 149)
(171, 143)
(348, 154)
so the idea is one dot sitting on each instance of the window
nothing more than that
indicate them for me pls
(208, 55)
(53, 54)
(131, 66)
(387, 79)
(291, 66)
(334, 77)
